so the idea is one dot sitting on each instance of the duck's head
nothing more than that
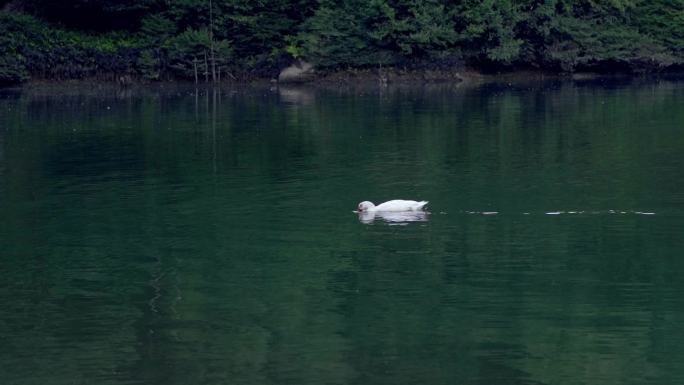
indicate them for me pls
(365, 206)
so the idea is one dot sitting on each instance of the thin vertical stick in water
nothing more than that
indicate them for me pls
(206, 68)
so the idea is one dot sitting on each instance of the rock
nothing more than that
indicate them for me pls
(124, 80)
(297, 73)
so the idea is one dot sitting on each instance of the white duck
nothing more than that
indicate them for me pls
(394, 205)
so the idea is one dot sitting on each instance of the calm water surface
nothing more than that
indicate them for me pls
(167, 236)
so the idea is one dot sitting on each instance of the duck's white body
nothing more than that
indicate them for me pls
(392, 206)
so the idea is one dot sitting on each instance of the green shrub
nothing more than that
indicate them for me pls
(172, 39)
(193, 48)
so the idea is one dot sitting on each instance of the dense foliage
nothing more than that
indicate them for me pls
(211, 39)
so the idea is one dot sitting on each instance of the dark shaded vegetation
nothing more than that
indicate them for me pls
(212, 40)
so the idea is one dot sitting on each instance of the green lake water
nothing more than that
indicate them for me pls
(172, 236)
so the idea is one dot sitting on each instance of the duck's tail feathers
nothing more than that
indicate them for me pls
(422, 204)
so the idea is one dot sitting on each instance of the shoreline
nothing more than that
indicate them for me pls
(467, 75)
(362, 78)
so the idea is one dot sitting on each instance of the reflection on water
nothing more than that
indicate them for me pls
(180, 236)
(393, 217)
